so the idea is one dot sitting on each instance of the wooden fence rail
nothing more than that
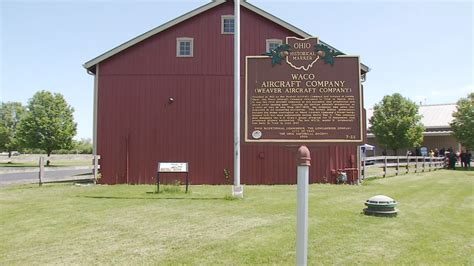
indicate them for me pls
(95, 169)
(419, 163)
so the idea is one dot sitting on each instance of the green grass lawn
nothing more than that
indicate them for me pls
(67, 224)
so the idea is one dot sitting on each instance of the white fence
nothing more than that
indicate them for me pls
(371, 166)
(95, 168)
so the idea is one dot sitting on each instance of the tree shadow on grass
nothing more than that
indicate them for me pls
(143, 198)
(465, 169)
(84, 174)
(74, 181)
(6, 165)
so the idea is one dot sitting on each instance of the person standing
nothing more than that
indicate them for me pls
(446, 160)
(442, 152)
(468, 158)
(452, 160)
(462, 155)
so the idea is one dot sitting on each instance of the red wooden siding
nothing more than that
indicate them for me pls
(138, 127)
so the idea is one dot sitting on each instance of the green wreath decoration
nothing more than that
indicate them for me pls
(326, 54)
(279, 54)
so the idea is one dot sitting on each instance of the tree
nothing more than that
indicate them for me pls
(48, 123)
(10, 115)
(83, 146)
(396, 123)
(463, 122)
(3, 136)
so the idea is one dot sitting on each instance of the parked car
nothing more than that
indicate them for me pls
(371, 162)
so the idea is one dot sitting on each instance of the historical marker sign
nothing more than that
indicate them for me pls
(302, 54)
(172, 167)
(312, 96)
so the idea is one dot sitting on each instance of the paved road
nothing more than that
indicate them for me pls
(32, 177)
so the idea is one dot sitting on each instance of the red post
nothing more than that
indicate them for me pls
(303, 156)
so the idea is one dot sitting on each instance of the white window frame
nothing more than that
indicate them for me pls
(224, 17)
(268, 41)
(184, 39)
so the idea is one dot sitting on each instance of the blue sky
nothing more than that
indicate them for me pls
(421, 49)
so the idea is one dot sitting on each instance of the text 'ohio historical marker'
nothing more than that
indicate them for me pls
(303, 92)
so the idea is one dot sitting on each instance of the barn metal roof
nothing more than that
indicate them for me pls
(89, 65)
(433, 116)
(426, 134)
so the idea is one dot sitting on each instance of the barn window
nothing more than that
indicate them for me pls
(273, 43)
(227, 24)
(184, 47)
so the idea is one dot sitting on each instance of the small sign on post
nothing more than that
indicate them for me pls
(174, 167)
(303, 91)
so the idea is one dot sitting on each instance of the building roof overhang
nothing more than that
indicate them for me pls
(91, 64)
(425, 134)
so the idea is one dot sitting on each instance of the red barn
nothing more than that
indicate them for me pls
(167, 95)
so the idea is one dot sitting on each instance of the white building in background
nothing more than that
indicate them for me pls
(438, 133)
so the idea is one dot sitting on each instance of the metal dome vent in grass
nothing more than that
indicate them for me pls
(381, 205)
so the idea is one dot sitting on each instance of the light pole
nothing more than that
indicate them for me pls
(237, 190)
